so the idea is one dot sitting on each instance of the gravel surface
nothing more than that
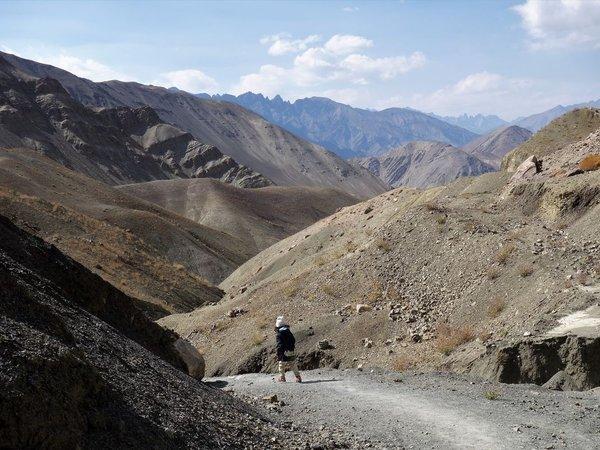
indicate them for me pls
(382, 409)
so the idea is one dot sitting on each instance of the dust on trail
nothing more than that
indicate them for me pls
(431, 410)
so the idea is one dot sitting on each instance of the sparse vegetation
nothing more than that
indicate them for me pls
(257, 339)
(382, 244)
(496, 306)
(590, 163)
(525, 271)
(351, 246)
(450, 337)
(491, 395)
(440, 219)
(431, 206)
(493, 272)
(403, 363)
(504, 253)
(329, 290)
(375, 293)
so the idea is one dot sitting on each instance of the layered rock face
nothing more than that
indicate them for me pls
(277, 154)
(115, 146)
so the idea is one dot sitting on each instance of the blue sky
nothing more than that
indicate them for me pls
(505, 57)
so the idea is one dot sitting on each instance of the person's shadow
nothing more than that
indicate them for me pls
(319, 381)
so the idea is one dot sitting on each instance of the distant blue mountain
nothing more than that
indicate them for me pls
(348, 131)
(477, 123)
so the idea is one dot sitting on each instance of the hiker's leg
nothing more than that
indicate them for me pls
(296, 371)
(282, 371)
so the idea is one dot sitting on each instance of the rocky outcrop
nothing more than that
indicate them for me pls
(116, 146)
(560, 133)
(564, 362)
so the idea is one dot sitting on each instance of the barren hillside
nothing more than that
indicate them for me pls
(258, 217)
(146, 251)
(241, 134)
(492, 147)
(474, 275)
(83, 368)
(568, 128)
(115, 145)
(424, 164)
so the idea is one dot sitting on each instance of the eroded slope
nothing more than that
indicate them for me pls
(258, 217)
(481, 260)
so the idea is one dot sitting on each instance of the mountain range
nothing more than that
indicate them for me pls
(477, 123)
(423, 164)
(238, 133)
(538, 121)
(348, 131)
(492, 147)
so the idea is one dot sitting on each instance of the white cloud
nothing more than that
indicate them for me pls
(343, 44)
(83, 67)
(386, 68)
(477, 82)
(482, 92)
(281, 44)
(190, 80)
(268, 80)
(334, 66)
(561, 24)
(350, 9)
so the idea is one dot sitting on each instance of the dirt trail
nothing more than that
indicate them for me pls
(388, 410)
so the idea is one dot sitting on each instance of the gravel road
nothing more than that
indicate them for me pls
(379, 409)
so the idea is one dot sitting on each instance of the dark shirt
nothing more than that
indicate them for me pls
(285, 342)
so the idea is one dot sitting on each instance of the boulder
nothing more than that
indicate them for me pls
(192, 357)
(325, 345)
(560, 381)
(361, 307)
(527, 169)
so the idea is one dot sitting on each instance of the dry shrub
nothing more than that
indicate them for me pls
(451, 337)
(320, 261)
(496, 307)
(375, 293)
(257, 339)
(329, 290)
(402, 363)
(491, 395)
(589, 163)
(292, 288)
(431, 206)
(393, 295)
(525, 271)
(493, 272)
(504, 253)
(382, 244)
(440, 219)
(351, 246)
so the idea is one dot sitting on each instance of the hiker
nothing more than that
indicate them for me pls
(286, 343)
